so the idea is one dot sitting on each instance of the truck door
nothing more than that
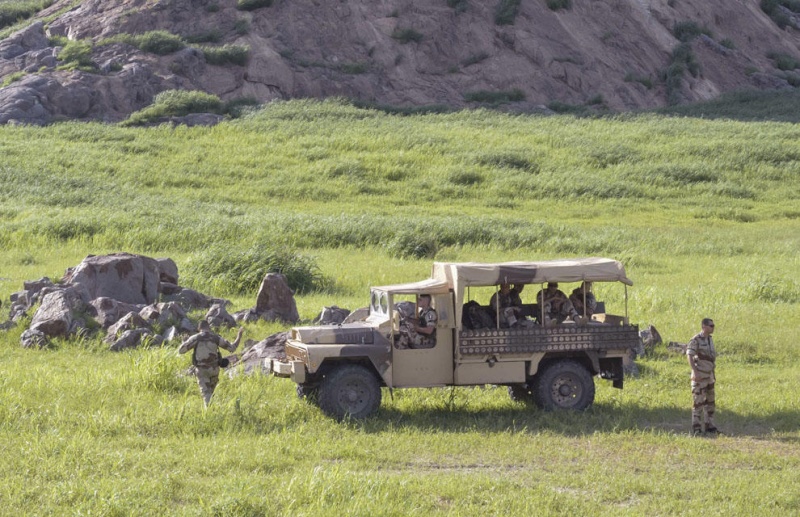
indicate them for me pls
(423, 367)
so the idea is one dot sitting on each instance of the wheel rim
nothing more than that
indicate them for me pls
(566, 390)
(353, 396)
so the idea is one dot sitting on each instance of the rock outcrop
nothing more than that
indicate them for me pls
(394, 52)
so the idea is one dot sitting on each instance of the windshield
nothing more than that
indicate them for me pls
(379, 303)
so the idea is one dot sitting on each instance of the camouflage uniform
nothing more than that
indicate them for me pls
(576, 298)
(410, 338)
(701, 352)
(510, 302)
(205, 358)
(556, 305)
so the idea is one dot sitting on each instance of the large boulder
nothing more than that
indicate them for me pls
(275, 301)
(122, 276)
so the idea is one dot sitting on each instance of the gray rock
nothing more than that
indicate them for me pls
(191, 299)
(54, 315)
(167, 270)
(333, 315)
(169, 289)
(252, 359)
(107, 311)
(217, 316)
(30, 38)
(128, 339)
(359, 314)
(122, 276)
(33, 338)
(128, 322)
(276, 299)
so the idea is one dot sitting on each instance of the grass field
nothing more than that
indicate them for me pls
(704, 213)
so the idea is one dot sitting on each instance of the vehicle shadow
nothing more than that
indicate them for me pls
(601, 417)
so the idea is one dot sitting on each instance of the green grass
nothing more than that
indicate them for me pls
(157, 42)
(175, 103)
(12, 11)
(702, 211)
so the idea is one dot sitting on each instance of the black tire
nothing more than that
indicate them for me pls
(308, 393)
(521, 393)
(564, 384)
(349, 391)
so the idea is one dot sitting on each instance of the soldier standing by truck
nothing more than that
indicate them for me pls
(702, 359)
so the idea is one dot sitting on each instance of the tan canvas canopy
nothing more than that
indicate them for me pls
(591, 269)
(460, 275)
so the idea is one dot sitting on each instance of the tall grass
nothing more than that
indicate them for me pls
(702, 212)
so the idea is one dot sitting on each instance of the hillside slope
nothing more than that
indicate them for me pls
(98, 59)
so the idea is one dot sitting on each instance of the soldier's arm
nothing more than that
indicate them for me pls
(187, 345)
(231, 347)
(691, 354)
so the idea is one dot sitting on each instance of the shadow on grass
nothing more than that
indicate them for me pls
(746, 106)
(600, 418)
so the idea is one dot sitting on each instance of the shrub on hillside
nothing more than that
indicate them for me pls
(407, 35)
(155, 42)
(555, 5)
(233, 54)
(498, 97)
(252, 5)
(688, 30)
(242, 271)
(11, 12)
(773, 9)
(506, 12)
(76, 54)
(176, 103)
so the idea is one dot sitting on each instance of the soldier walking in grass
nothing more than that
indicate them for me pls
(206, 358)
(702, 359)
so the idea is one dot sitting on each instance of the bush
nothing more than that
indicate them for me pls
(159, 42)
(238, 107)
(155, 42)
(176, 103)
(242, 271)
(12, 12)
(781, 19)
(687, 31)
(233, 54)
(506, 12)
(407, 35)
(76, 54)
(555, 5)
(500, 97)
(783, 61)
(11, 78)
(252, 5)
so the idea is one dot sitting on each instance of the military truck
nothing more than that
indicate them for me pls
(342, 368)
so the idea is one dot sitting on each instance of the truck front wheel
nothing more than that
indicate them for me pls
(564, 385)
(349, 391)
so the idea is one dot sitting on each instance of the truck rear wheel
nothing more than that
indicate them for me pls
(521, 393)
(564, 385)
(349, 391)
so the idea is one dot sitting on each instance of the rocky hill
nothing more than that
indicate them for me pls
(104, 59)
